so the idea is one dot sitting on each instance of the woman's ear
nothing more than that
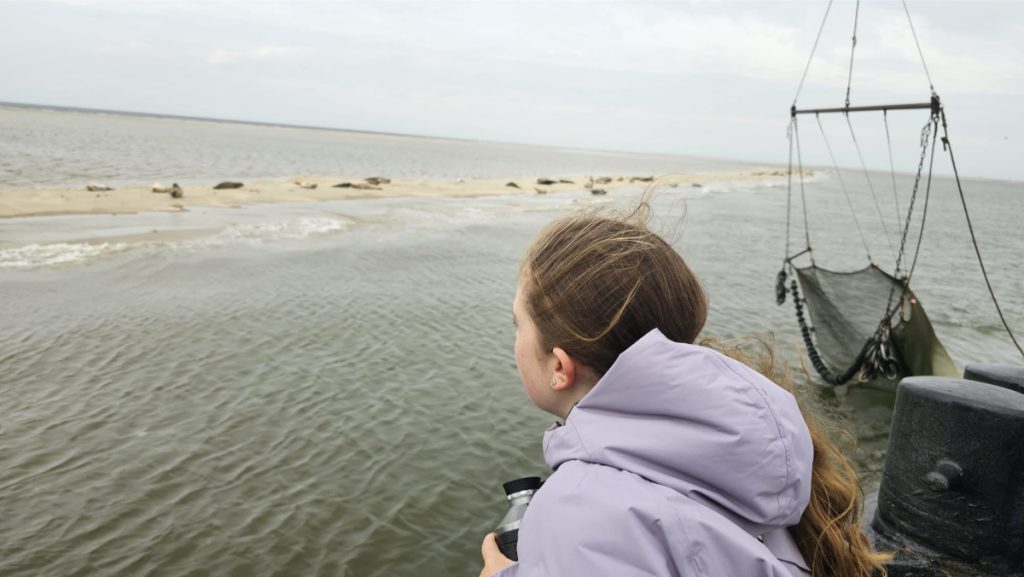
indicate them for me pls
(566, 368)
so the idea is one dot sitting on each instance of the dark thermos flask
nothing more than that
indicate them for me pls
(519, 494)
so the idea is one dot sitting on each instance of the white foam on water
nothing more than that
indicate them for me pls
(261, 232)
(38, 255)
(447, 215)
(66, 253)
(750, 185)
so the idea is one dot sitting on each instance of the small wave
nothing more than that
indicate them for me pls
(62, 253)
(38, 255)
(753, 185)
(258, 233)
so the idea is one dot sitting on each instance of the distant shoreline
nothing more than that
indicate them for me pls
(25, 202)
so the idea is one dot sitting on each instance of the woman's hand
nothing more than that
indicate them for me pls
(494, 561)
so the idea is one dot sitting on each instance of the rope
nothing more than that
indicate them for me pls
(780, 279)
(803, 195)
(892, 167)
(871, 186)
(842, 184)
(789, 184)
(931, 85)
(949, 146)
(890, 309)
(853, 47)
(813, 49)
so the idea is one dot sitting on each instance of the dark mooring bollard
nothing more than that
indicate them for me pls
(1000, 375)
(951, 502)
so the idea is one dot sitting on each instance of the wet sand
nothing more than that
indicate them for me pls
(16, 202)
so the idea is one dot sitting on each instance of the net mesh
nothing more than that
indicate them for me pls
(846, 308)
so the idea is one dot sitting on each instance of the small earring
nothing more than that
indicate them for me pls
(551, 383)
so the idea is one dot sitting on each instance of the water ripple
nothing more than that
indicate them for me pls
(347, 406)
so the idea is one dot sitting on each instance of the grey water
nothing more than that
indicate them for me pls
(43, 147)
(329, 388)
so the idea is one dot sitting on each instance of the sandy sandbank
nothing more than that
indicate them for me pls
(15, 202)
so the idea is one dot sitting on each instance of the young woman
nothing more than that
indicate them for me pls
(673, 459)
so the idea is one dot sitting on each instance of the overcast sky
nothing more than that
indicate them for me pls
(711, 79)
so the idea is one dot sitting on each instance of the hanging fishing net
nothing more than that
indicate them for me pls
(845, 309)
(867, 324)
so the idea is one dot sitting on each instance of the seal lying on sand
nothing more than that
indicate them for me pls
(174, 190)
(228, 184)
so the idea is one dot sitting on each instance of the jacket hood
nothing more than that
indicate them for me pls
(691, 419)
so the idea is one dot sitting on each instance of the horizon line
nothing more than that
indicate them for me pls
(136, 113)
(61, 107)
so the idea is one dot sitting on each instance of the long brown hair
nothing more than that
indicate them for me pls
(595, 285)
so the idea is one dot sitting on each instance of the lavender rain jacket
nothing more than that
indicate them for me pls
(680, 461)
